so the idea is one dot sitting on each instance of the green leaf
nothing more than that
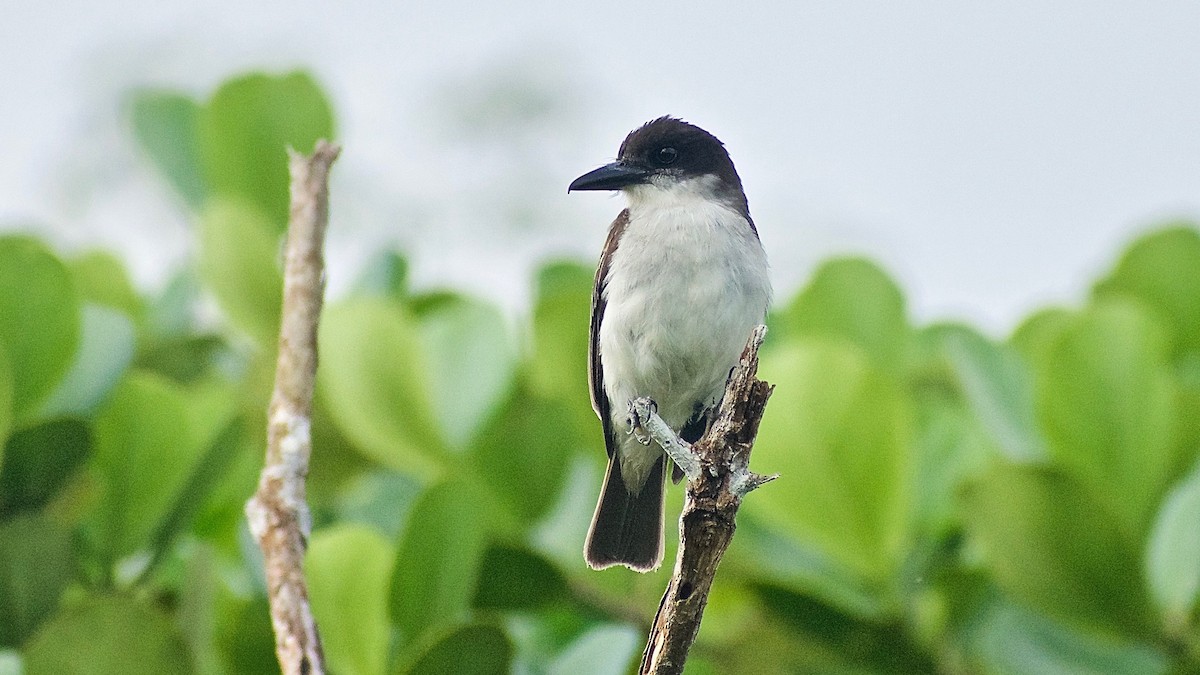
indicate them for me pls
(1162, 269)
(836, 431)
(105, 353)
(949, 449)
(385, 274)
(473, 649)
(1173, 551)
(999, 390)
(1052, 546)
(471, 360)
(524, 446)
(373, 382)
(165, 125)
(512, 578)
(1036, 334)
(852, 299)
(1010, 639)
(1107, 403)
(560, 337)
(39, 320)
(208, 472)
(348, 569)
(438, 561)
(108, 634)
(604, 650)
(146, 448)
(381, 499)
(6, 407)
(244, 133)
(239, 262)
(36, 564)
(101, 279)
(38, 461)
(875, 646)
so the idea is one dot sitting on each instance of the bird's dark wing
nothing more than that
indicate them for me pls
(600, 402)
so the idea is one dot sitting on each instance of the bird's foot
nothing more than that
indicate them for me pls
(635, 421)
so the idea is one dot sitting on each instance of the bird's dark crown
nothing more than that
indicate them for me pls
(672, 146)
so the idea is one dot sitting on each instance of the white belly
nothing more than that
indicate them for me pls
(688, 282)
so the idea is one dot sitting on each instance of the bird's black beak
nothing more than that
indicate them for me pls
(610, 177)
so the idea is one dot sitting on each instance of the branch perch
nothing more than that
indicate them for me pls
(719, 476)
(278, 511)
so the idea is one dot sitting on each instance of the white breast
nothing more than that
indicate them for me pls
(687, 284)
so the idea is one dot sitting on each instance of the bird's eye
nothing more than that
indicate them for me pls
(666, 156)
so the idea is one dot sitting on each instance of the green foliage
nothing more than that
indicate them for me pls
(39, 321)
(348, 568)
(949, 502)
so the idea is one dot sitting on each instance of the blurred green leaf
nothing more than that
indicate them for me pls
(560, 337)
(881, 647)
(39, 320)
(348, 569)
(165, 125)
(374, 383)
(470, 360)
(244, 133)
(438, 560)
(146, 448)
(101, 279)
(207, 473)
(603, 650)
(768, 553)
(1051, 545)
(853, 299)
(6, 407)
(239, 262)
(999, 389)
(246, 639)
(1012, 639)
(385, 274)
(36, 563)
(107, 634)
(381, 499)
(1173, 552)
(473, 649)
(512, 578)
(1106, 401)
(522, 454)
(1038, 332)
(949, 449)
(1163, 270)
(171, 313)
(105, 353)
(38, 460)
(836, 431)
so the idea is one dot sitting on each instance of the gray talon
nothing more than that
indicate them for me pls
(635, 424)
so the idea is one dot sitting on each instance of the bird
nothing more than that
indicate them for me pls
(681, 283)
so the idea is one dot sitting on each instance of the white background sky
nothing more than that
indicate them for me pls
(994, 157)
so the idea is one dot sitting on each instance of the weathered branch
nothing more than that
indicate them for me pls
(718, 470)
(278, 511)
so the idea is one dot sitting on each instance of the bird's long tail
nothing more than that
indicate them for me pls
(627, 528)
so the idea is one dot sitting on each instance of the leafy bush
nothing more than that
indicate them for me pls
(949, 502)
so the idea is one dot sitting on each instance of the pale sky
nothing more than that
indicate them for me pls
(993, 157)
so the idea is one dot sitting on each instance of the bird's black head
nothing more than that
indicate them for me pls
(663, 153)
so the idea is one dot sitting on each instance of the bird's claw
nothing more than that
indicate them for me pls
(636, 428)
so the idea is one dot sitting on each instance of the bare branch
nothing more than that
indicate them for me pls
(714, 494)
(278, 511)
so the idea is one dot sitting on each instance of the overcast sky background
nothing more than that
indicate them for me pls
(993, 157)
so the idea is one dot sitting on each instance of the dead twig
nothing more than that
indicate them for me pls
(719, 476)
(278, 511)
